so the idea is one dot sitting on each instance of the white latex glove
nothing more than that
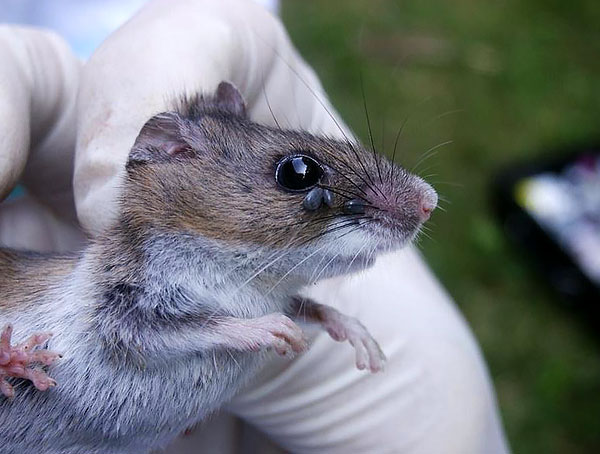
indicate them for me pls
(435, 395)
(38, 86)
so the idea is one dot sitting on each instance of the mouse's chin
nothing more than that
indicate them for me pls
(335, 264)
(353, 264)
(389, 240)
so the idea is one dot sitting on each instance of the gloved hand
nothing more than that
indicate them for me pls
(434, 396)
(39, 77)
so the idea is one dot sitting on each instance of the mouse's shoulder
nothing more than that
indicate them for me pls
(25, 275)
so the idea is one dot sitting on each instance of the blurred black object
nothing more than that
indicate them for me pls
(551, 210)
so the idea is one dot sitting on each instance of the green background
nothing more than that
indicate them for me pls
(503, 80)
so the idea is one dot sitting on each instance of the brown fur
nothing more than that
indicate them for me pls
(26, 276)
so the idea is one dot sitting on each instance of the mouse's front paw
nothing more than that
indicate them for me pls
(281, 333)
(342, 327)
(23, 361)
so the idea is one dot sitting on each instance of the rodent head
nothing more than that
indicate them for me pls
(206, 170)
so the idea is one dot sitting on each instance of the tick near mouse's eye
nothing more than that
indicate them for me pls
(298, 173)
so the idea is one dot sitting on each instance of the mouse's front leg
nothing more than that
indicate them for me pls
(341, 328)
(270, 331)
(274, 330)
(19, 361)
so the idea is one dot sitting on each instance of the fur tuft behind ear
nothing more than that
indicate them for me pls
(229, 98)
(160, 140)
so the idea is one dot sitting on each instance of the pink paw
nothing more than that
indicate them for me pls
(280, 332)
(342, 327)
(23, 361)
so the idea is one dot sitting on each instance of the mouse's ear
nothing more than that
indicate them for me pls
(229, 98)
(160, 140)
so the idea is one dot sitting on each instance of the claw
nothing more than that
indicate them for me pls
(342, 327)
(20, 361)
(278, 332)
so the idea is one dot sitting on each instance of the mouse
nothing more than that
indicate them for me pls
(165, 315)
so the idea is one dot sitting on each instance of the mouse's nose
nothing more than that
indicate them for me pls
(427, 205)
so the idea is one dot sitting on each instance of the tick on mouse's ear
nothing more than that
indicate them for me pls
(160, 140)
(229, 98)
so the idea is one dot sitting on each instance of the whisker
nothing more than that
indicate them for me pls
(449, 183)
(362, 88)
(425, 234)
(344, 175)
(330, 229)
(429, 152)
(322, 103)
(353, 194)
(308, 87)
(301, 308)
(269, 104)
(355, 256)
(435, 165)
(340, 191)
(308, 257)
(392, 168)
(310, 280)
(338, 254)
(322, 218)
(351, 146)
(370, 254)
(294, 267)
(262, 268)
(329, 262)
(233, 359)
(371, 186)
(383, 136)
(442, 115)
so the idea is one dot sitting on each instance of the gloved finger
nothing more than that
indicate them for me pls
(172, 47)
(27, 224)
(38, 85)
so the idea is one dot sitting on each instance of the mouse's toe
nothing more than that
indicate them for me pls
(24, 360)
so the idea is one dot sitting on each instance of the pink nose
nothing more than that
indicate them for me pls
(428, 204)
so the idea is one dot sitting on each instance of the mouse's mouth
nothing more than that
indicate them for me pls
(367, 237)
(393, 224)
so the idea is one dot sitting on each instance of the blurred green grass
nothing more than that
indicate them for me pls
(503, 80)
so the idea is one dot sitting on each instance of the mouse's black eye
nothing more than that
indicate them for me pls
(298, 173)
